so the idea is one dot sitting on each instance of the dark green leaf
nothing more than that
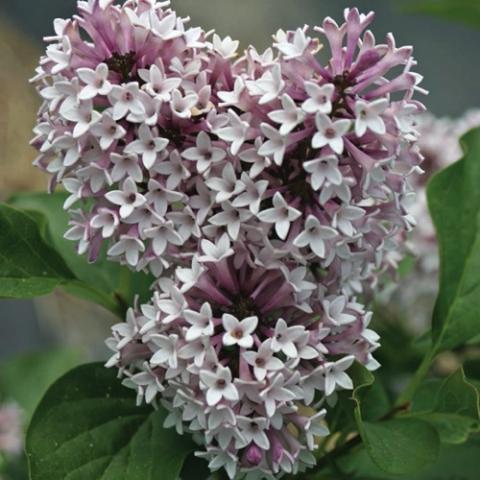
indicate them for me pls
(455, 462)
(451, 406)
(88, 427)
(465, 11)
(397, 446)
(28, 266)
(400, 446)
(102, 276)
(454, 201)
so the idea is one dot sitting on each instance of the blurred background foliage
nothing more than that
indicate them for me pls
(446, 35)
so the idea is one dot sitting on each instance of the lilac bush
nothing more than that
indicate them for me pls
(266, 191)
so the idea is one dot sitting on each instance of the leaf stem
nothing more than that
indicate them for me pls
(420, 374)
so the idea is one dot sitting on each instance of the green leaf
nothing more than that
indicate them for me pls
(25, 378)
(451, 406)
(102, 276)
(340, 418)
(455, 462)
(454, 201)
(28, 266)
(465, 11)
(400, 446)
(397, 446)
(88, 427)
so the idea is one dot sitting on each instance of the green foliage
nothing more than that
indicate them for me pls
(88, 426)
(454, 201)
(397, 446)
(465, 11)
(29, 267)
(455, 462)
(451, 406)
(103, 275)
(35, 258)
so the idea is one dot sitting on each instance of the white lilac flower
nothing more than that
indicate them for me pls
(289, 117)
(320, 98)
(158, 85)
(11, 429)
(108, 131)
(238, 332)
(323, 169)
(330, 133)
(294, 45)
(281, 214)
(128, 198)
(96, 82)
(126, 99)
(369, 116)
(147, 145)
(315, 235)
(218, 385)
(204, 153)
(271, 186)
(269, 86)
(224, 363)
(276, 144)
(235, 133)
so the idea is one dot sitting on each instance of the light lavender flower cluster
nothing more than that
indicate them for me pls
(263, 192)
(414, 296)
(11, 437)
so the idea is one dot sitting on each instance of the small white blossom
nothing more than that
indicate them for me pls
(320, 100)
(344, 218)
(295, 48)
(330, 133)
(214, 252)
(205, 154)
(182, 106)
(128, 198)
(129, 246)
(226, 47)
(157, 84)
(284, 337)
(147, 145)
(315, 235)
(125, 99)
(219, 385)
(253, 430)
(238, 332)
(201, 323)
(369, 116)
(106, 220)
(263, 361)
(281, 215)
(322, 169)
(96, 82)
(289, 117)
(161, 235)
(235, 133)
(108, 131)
(166, 353)
(269, 86)
(227, 186)
(335, 375)
(275, 145)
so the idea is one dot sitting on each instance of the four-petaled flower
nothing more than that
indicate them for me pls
(238, 332)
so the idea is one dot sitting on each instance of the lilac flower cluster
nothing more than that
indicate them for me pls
(414, 296)
(263, 192)
(11, 442)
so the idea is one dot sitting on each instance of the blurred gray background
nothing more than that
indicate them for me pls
(447, 54)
